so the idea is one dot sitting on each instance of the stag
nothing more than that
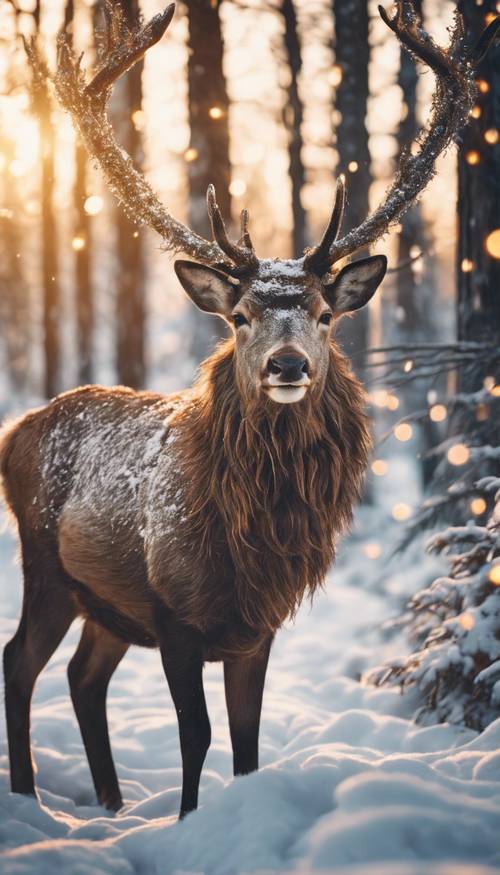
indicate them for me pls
(197, 522)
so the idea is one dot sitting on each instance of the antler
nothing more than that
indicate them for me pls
(453, 100)
(87, 103)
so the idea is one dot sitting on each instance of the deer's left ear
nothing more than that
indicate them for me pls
(208, 288)
(356, 284)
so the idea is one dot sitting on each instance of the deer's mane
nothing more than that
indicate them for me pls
(281, 482)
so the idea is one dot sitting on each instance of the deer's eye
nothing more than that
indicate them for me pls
(325, 319)
(239, 320)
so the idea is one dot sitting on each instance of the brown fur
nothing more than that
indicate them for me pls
(268, 489)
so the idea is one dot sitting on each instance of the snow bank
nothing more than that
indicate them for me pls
(348, 784)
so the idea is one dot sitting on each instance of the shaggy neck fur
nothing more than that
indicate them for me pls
(280, 484)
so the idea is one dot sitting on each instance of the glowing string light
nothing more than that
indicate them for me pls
(493, 243)
(380, 467)
(478, 506)
(403, 432)
(459, 454)
(438, 413)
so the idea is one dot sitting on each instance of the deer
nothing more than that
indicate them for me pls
(197, 522)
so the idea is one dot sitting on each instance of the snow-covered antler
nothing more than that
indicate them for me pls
(87, 104)
(453, 99)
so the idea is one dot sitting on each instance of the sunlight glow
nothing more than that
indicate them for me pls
(238, 187)
(93, 205)
(494, 573)
(78, 243)
(215, 112)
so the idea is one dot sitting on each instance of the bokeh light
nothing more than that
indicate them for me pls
(403, 432)
(459, 454)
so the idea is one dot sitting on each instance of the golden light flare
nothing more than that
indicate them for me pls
(139, 119)
(438, 413)
(403, 432)
(190, 154)
(215, 112)
(78, 243)
(478, 506)
(392, 402)
(401, 512)
(493, 243)
(457, 455)
(472, 157)
(335, 75)
(93, 205)
(17, 168)
(494, 573)
(475, 112)
(372, 551)
(353, 166)
(483, 86)
(467, 265)
(237, 187)
(380, 467)
(492, 136)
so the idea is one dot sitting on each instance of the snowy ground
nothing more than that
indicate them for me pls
(347, 784)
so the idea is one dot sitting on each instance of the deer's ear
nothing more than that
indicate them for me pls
(208, 288)
(356, 284)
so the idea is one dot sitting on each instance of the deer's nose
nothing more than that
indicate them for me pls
(288, 367)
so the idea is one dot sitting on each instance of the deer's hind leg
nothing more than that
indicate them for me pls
(98, 655)
(48, 611)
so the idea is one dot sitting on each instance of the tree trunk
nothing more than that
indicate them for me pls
(293, 114)
(478, 304)
(209, 142)
(130, 274)
(50, 278)
(14, 295)
(411, 233)
(352, 54)
(83, 282)
(82, 244)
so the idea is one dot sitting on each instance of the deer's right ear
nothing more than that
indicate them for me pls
(208, 288)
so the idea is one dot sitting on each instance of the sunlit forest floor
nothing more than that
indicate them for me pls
(347, 780)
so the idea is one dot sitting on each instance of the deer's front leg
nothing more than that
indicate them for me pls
(244, 682)
(181, 654)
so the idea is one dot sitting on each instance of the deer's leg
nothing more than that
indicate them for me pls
(89, 672)
(182, 658)
(244, 682)
(48, 611)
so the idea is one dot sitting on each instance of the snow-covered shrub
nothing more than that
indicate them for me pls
(455, 626)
